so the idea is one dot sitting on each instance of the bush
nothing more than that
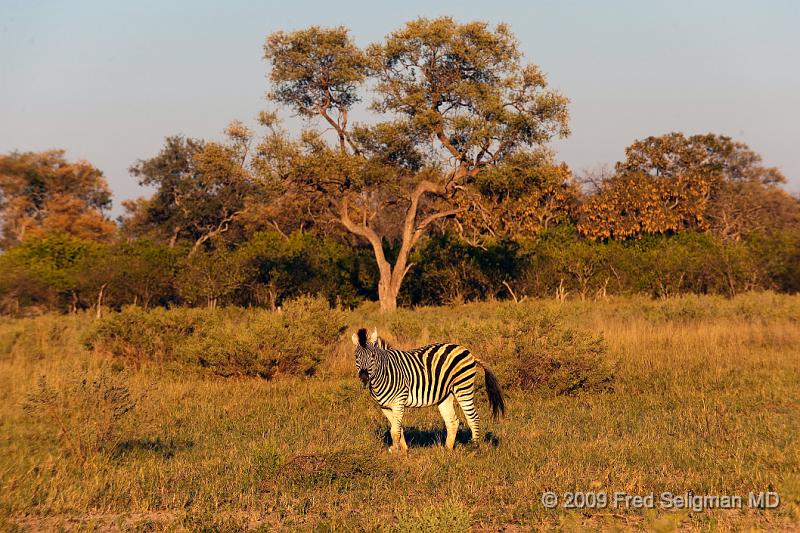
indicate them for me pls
(545, 356)
(265, 343)
(530, 348)
(141, 335)
(88, 412)
(227, 342)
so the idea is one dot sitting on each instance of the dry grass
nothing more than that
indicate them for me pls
(706, 398)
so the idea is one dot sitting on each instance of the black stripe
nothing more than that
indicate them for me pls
(424, 386)
(437, 384)
(456, 360)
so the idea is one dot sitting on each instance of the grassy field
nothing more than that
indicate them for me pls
(705, 397)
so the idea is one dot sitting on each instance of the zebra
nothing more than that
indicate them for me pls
(436, 374)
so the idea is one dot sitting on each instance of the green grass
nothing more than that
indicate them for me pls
(706, 398)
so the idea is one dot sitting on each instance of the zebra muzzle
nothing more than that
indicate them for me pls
(363, 375)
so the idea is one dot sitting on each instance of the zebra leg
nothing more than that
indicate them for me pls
(466, 399)
(395, 417)
(387, 412)
(398, 437)
(447, 409)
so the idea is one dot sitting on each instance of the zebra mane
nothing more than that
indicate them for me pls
(382, 344)
(362, 337)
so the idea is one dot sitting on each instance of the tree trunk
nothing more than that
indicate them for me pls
(174, 238)
(390, 280)
(100, 294)
(387, 297)
(391, 276)
(388, 289)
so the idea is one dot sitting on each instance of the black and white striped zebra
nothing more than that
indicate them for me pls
(436, 374)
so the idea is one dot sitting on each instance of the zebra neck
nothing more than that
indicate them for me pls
(383, 366)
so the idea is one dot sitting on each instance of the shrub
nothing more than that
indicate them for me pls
(228, 342)
(266, 343)
(530, 348)
(544, 355)
(88, 412)
(138, 334)
(37, 338)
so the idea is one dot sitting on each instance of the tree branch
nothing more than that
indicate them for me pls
(436, 216)
(222, 227)
(365, 232)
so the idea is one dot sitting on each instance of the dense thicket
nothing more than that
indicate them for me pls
(63, 273)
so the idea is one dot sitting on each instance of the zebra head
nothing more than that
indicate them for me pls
(365, 354)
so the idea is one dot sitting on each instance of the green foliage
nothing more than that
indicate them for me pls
(708, 155)
(455, 99)
(205, 278)
(281, 267)
(227, 342)
(445, 271)
(145, 273)
(137, 334)
(315, 65)
(57, 272)
(451, 195)
(201, 187)
(475, 69)
(448, 270)
(60, 272)
(42, 271)
(291, 342)
(659, 266)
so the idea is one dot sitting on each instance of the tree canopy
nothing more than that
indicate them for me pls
(455, 100)
(43, 192)
(201, 189)
(672, 183)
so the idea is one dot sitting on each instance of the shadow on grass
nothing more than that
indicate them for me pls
(426, 438)
(166, 448)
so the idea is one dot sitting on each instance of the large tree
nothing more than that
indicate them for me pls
(201, 189)
(716, 157)
(454, 101)
(43, 192)
(672, 182)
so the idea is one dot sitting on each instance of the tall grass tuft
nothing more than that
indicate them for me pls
(87, 413)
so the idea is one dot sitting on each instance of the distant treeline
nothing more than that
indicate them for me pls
(450, 195)
(58, 272)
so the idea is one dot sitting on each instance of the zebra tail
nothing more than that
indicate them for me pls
(494, 392)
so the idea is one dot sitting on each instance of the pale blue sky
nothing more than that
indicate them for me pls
(108, 80)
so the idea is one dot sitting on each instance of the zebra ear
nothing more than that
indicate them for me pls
(374, 337)
(354, 338)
